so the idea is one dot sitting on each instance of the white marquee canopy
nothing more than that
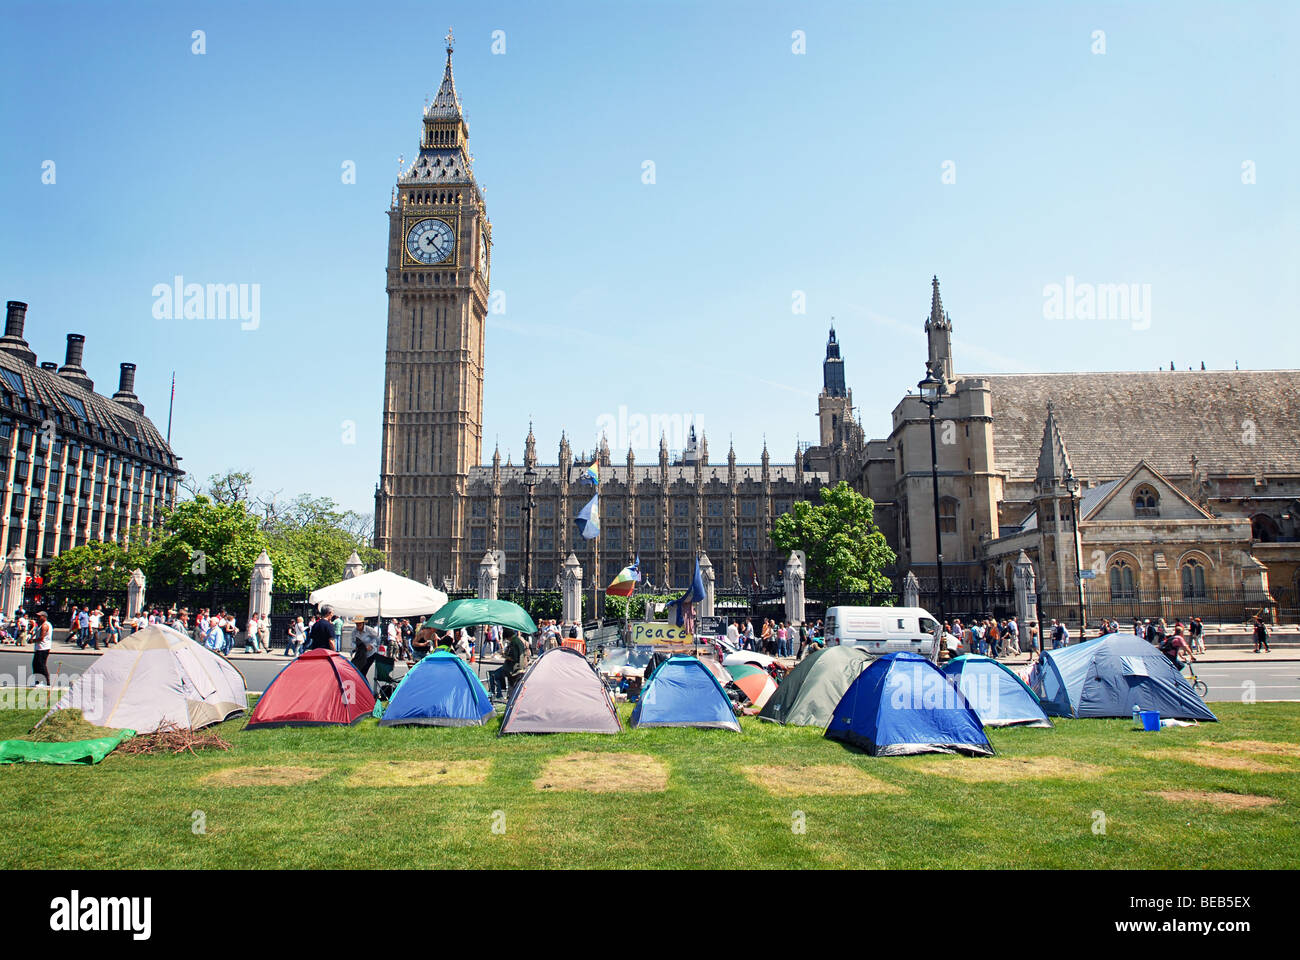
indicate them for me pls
(380, 593)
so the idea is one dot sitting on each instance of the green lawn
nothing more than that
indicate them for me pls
(140, 811)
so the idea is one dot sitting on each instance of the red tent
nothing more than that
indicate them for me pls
(320, 687)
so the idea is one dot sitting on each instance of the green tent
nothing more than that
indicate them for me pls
(73, 751)
(808, 695)
(474, 612)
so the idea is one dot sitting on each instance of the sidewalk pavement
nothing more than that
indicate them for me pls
(1214, 653)
(236, 652)
(1284, 655)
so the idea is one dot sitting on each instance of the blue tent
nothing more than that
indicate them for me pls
(998, 697)
(683, 693)
(904, 704)
(441, 691)
(1108, 676)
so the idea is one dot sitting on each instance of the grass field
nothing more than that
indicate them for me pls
(770, 797)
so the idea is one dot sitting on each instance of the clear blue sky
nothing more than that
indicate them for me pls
(775, 173)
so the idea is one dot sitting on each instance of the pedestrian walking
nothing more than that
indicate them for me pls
(1261, 636)
(297, 636)
(42, 642)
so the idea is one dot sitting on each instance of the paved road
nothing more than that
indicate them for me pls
(1272, 680)
(1277, 680)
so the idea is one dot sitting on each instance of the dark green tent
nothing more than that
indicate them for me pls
(808, 695)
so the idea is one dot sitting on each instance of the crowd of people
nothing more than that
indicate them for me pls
(775, 638)
(989, 637)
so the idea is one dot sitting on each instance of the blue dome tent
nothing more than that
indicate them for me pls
(441, 691)
(903, 704)
(998, 697)
(683, 693)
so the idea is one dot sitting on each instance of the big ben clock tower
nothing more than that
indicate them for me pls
(438, 259)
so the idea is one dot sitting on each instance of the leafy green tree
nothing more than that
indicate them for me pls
(315, 538)
(208, 545)
(638, 607)
(105, 565)
(101, 564)
(845, 550)
(212, 541)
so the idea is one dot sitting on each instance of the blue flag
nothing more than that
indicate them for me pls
(588, 519)
(693, 595)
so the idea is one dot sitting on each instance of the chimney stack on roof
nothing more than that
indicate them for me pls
(126, 389)
(72, 368)
(13, 342)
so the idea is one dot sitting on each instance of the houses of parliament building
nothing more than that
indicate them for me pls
(1177, 483)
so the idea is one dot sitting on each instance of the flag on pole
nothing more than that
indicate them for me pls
(626, 580)
(592, 474)
(588, 519)
(686, 602)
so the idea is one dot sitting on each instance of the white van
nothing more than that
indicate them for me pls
(883, 629)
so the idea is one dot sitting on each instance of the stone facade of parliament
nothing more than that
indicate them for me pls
(1190, 480)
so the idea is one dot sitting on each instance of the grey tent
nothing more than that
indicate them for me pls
(1111, 675)
(808, 694)
(560, 693)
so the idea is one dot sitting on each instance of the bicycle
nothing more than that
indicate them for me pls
(1198, 685)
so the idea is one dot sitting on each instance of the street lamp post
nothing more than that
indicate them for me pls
(1072, 486)
(930, 389)
(530, 483)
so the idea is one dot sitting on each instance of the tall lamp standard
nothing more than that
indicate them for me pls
(930, 389)
(1072, 487)
(530, 484)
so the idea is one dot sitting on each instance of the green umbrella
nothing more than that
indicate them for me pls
(474, 612)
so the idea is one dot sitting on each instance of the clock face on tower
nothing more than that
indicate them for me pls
(482, 255)
(431, 241)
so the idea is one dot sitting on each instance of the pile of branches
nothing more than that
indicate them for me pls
(171, 738)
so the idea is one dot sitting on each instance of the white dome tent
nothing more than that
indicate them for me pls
(155, 678)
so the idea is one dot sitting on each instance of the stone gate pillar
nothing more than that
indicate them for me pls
(1026, 595)
(911, 590)
(794, 606)
(488, 574)
(13, 581)
(706, 574)
(354, 567)
(259, 589)
(571, 590)
(135, 593)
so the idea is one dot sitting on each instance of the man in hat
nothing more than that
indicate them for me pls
(364, 643)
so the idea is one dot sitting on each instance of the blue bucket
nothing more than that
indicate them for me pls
(1151, 721)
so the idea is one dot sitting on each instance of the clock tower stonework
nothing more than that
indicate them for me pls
(438, 259)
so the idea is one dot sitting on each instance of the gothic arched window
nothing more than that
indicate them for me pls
(1122, 585)
(1146, 502)
(1193, 580)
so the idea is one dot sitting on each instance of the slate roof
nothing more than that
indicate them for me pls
(437, 165)
(446, 104)
(1110, 421)
(83, 412)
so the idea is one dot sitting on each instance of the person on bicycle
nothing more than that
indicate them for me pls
(1175, 647)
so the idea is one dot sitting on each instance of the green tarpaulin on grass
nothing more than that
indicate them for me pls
(74, 751)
